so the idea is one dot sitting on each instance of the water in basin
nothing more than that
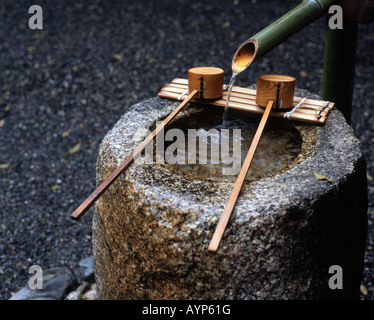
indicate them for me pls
(278, 148)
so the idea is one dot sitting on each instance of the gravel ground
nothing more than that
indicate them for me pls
(63, 87)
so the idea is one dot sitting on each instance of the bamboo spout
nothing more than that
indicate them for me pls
(268, 38)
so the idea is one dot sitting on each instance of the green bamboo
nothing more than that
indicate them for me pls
(339, 66)
(290, 23)
(268, 38)
(339, 57)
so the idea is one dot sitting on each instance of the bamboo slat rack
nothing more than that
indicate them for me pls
(311, 111)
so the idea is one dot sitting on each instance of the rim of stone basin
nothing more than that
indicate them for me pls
(326, 156)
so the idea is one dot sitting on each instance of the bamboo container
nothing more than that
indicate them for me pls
(207, 80)
(278, 88)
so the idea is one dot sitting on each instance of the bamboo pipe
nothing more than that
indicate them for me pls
(268, 38)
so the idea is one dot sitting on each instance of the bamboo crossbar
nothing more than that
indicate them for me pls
(312, 111)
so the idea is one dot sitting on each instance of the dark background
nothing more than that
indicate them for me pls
(67, 85)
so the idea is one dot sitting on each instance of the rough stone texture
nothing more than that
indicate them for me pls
(151, 229)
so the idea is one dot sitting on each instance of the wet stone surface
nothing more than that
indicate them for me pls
(152, 227)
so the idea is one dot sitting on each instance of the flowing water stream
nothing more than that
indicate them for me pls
(231, 84)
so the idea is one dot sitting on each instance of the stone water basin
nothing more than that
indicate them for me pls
(152, 227)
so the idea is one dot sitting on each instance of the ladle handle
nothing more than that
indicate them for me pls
(220, 229)
(83, 208)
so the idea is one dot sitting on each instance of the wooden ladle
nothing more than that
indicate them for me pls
(203, 83)
(273, 92)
